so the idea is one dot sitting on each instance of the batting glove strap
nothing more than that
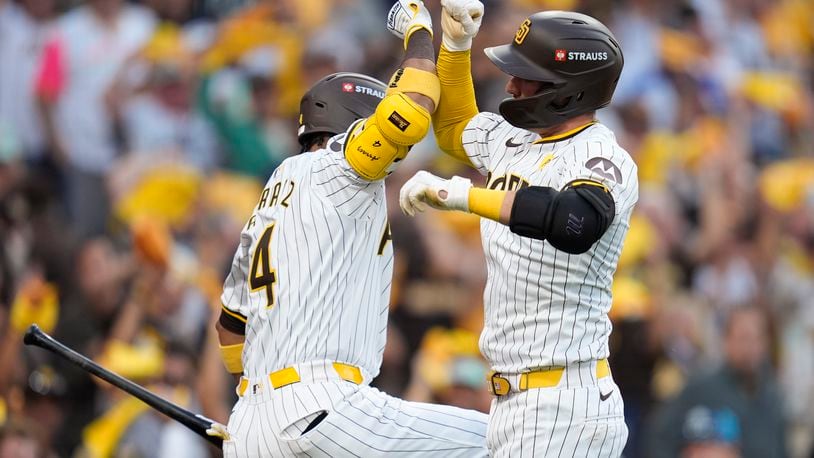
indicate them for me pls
(457, 195)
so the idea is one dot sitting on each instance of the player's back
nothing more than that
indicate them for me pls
(313, 270)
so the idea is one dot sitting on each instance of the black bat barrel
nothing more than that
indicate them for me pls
(197, 423)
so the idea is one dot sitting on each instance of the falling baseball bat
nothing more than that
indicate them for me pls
(195, 422)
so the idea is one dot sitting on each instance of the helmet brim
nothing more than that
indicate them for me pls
(511, 62)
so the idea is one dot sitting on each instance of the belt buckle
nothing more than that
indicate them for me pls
(498, 384)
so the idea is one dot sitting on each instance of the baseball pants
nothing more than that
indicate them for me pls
(335, 418)
(581, 417)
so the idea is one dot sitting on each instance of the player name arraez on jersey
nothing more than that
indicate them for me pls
(275, 193)
(280, 193)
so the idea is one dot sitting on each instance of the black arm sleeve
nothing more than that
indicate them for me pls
(571, 220)
(232, 322)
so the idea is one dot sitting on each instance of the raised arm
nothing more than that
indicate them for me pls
(460, 21)
(376, 144)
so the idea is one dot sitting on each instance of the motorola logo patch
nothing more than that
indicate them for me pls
(605, 169)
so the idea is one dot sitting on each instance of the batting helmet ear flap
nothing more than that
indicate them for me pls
(525, 112)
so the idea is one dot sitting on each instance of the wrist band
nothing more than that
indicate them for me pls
(486, 202)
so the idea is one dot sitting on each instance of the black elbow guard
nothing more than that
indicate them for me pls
(530, 216)
(571, 220)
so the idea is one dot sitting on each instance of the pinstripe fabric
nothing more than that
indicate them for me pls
(545, 307)
(332, 260)
(332, 286)
(569, 420)
(361, 421)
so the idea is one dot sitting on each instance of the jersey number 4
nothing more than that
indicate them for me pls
(262, 274)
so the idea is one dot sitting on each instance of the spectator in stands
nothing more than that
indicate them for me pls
(741, 394)
(88, 46)
(19, 440)
(162, 119)
(23, 30)
(710, 433)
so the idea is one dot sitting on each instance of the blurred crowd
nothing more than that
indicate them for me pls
(135, 138)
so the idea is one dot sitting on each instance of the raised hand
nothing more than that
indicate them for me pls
(460, 21)
(407, 17)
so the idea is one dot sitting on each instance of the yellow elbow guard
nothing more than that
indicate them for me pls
(383, 139)
(401, 120)
(232, 356)
(411, 79)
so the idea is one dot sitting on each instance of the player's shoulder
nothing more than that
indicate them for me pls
(488, 121)
(336, 144)
(599, 149)
(292, 166)
(328, 156)
(484, 136)
(487, 117)
(330, 160)
(598, 133)
(292, 163)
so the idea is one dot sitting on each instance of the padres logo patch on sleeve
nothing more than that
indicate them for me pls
(398, 121)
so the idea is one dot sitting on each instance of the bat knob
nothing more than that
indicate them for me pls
(30, 337)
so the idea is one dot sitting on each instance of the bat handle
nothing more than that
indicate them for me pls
(32, 335)
(197, 423)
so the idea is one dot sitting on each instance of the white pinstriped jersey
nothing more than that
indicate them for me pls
(318, 247)
(545, 307)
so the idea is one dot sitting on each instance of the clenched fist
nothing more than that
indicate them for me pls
(425, 189)
(460, 21)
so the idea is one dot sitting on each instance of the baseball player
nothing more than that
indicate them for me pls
(305, 305)
(555, 210)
